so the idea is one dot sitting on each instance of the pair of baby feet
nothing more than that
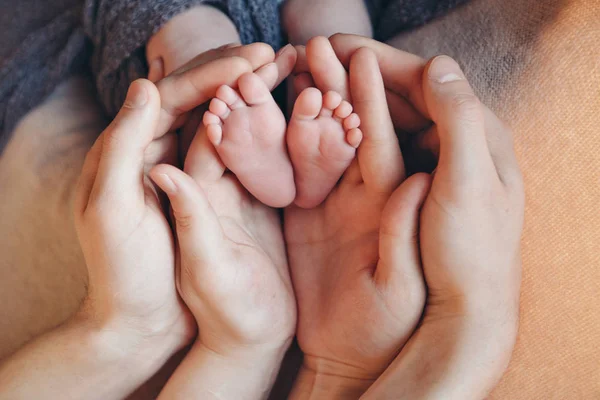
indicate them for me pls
(279, 163)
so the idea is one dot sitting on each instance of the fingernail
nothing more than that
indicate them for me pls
(156, 70)
(444, 69)
(229, 46)
(137, 95)
(167, 183)
(283, 49)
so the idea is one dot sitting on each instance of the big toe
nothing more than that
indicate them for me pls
(325, 67)
(308, 104)
(254, 90)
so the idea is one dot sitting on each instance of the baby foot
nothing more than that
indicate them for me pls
(247, 129)
(322, 138)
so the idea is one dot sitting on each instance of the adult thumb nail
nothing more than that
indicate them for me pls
(444, 69)
(137, 95)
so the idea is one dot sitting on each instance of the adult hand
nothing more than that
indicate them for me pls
(132, 319)
(470, 231)
(234, 278)
(125, 237)
(354, 261)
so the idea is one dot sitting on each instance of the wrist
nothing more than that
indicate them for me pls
(320, 378)
(449, 357)
(119, 341)
(239, 373)
(244, 357)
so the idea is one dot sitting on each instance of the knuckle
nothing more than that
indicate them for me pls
(112, 138)
(183, 221)
(466, 106)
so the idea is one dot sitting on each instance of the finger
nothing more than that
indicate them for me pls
(404, 115)
(401, 71)
(156, 70)
(302, 82)
(87, 177)
(352, 176)
(501, 145)
(125, 141)
(230, 46)
(301, 60)
(183, 92)
(198, 228)
(399, 268)
(379, 154)
(327, 71)
(257, 54)
(274, 73)
(203, 163)
(459, 118)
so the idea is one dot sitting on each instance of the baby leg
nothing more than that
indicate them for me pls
(304, 19)
(188, 34)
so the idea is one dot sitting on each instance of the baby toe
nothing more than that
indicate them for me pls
(230, 97)
(254, 90)
(344, 110)
(331, 101)
(354, 137)
(308, 104)
(219, 108)
(352, 122)
(210, 119)
(215, 134)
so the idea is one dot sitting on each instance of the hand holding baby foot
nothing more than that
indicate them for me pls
(234, 278)
(247, 128)
(354, 262)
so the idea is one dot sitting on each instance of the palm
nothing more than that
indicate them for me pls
(333, 252)
(251, 282)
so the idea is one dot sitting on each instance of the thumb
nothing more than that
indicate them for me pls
(198, 228)
(399, 268)
(459, 118)
(124, 142)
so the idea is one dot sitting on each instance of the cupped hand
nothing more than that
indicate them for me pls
(354, 261)
(470, 232)
(125, 237)
(233, 267)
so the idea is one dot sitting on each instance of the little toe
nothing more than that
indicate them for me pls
(254, 90)
(308, 105)
(214, 133)
(219, 108)
(331, 101)
(230, 97)
(210, 119)
(354, 137)
(344, 110)
(352, 122)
